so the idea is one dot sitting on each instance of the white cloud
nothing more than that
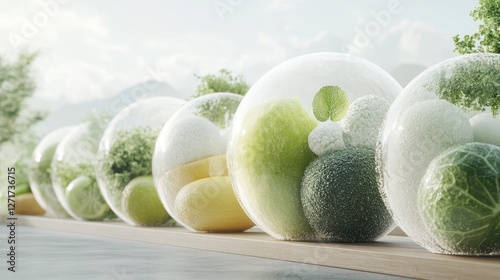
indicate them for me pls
(178, 58)
(304, 43)
(421, 43)
(74, 80)
(281, 5)
(88, 51)
(77, 60)
(407, 41)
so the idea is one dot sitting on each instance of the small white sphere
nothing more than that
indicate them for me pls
(326, 137)
(363, 121)
(486, 128)
(193, 138)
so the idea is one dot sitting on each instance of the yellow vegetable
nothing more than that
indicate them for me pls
(178, 177)
(210, 205)
(26, 204)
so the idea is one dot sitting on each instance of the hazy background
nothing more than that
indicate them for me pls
(94, 53)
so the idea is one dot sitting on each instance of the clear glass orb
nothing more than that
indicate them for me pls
(190, 169)
(39, 174)
(447, 106)
(73, 173)
(290, 134)
(124, 157)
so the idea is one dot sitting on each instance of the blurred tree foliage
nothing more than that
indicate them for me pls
(220, 111)
(17, 141)
(473, 84)
(224, 81)
(16, 85)
(487, 38)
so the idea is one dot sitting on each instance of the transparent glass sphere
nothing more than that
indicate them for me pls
(291, 133)
(124, 171)
(190, 169)
(73, 173)
(39, 174)
(441, 110)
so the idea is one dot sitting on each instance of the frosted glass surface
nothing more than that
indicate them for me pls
(430, 116)
(190, 154)
(73, 173)
(272, 144)
(39, 174)
(126, 149)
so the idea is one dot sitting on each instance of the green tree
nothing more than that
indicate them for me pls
(16, 140)
(471, 84)
(224, 81)
(220, 111)
(16, 85)
(487, 39)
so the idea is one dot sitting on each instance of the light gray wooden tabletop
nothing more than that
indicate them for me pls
(46, 254)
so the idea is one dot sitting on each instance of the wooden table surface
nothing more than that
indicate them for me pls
(394, 255)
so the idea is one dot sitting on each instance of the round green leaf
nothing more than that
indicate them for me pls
(330, 102)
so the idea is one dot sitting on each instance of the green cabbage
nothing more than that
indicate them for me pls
(459, 199)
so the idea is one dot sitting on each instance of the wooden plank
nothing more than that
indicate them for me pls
(396, 255)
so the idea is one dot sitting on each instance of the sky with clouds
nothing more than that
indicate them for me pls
(93, 49)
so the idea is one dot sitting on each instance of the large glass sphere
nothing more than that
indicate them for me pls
(124, 172)
(302, 149)
(39, 174)
(190, 170)
(441, 184)
(73, 173)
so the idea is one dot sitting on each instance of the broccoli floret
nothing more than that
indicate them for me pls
(326, 137)
(363, 121)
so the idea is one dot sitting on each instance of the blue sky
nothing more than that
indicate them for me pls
(93, 49)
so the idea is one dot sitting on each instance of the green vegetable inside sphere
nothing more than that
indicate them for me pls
(67, 173)
(459, 199)
(42, 169)
(39, 173)
(330, 102)
(85, 199)
(141, 203)
(341, 199)
(271, 157)
(470, 82)
(129, 157)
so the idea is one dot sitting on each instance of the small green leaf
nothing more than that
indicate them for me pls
(330, 102)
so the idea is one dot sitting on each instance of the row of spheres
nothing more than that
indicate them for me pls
(324, 147)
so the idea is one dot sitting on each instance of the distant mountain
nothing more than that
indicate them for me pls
(72, 114)
(404, 73)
